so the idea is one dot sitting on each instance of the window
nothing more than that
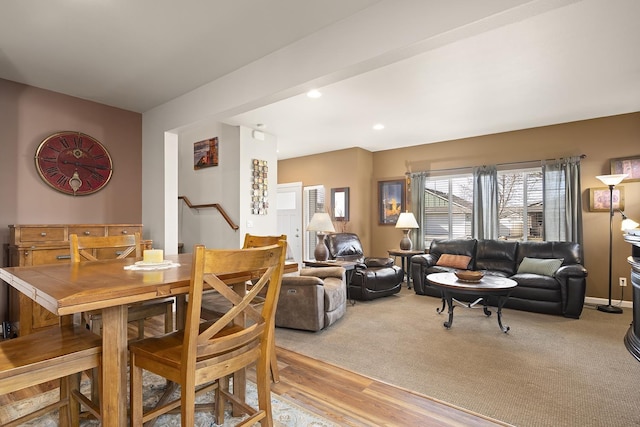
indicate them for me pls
(314, 201)
(449, 205)
(520, 204)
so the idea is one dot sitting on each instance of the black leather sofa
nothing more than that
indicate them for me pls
(561, 293)
(373, 277)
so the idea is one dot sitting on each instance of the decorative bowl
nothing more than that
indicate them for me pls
(469, 276)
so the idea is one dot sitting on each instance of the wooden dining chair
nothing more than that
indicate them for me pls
(93, 248)
(255, 241)
(58, 353)
(213, 308)
(204, 352)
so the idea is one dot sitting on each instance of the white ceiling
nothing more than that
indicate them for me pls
(516, 64)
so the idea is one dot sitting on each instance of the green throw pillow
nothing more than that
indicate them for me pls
(542, 266)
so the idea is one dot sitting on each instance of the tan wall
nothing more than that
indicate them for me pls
(599, 139)
(345, 168)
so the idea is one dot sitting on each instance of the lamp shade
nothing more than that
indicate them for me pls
(406, 220)
(612, 179)
(321, 221)
(628, 224)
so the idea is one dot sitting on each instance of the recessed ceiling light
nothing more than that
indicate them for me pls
(314, 93)
(378, 126)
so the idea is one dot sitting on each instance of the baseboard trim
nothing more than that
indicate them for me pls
(604, 301)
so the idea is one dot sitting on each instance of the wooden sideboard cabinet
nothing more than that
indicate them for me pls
(36, 244)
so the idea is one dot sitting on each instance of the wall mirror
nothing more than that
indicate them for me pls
(340, 204)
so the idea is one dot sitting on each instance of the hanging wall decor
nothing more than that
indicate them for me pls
(205, 153)
(259, 187)
(628, 165)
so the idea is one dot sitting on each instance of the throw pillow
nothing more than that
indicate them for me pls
(542, 266)
(460, 262)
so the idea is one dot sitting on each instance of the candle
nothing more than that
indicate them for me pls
(153, 256)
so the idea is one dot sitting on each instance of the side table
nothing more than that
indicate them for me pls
(405, 260)
(349, 267)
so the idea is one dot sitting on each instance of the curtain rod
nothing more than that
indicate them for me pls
(582, 156)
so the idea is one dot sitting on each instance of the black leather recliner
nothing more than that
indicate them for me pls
(373, 277)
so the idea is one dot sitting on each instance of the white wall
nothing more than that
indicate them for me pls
(250, 149)
(216, 184)
(228, 184)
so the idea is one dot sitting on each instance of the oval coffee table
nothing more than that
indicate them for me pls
(450, 286)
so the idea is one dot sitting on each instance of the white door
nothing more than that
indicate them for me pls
(290, 217)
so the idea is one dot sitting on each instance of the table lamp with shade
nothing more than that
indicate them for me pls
(322, 224)
(406, 222)
(611, 181)
(627, 223)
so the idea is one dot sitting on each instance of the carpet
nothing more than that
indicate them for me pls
(547, 371)
(285, 412)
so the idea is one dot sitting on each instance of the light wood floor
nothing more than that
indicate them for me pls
(342, 396)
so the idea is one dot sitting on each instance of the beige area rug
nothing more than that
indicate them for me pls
(285, 412)
(547, 371)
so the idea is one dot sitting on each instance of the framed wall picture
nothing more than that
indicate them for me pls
(391, 201)
(599, 199)
(205, 153)
(628, 165)
(340, 203)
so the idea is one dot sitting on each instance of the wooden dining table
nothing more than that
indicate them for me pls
(66, 289)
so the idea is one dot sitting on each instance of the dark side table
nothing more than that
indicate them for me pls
(405, 260)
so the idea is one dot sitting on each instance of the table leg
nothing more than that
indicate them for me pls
(404, 269)
(501, 301)
(348, 276)
(181, 311)
(485, 307)
(449, 300)
(441, 309)
(408, 271)
(114, 366)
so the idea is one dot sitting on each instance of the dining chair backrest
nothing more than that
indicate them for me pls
(207, 352)
(266, 264)
(255, 241)
(93, 248)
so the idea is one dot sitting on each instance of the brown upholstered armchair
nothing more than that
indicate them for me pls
(374, 277)
(313, 300)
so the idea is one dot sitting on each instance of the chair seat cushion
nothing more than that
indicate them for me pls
(530, 280)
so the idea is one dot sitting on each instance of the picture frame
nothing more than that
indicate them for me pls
(599, 199)
(340, 204)
(205, 153)
(391, 201)
(628, 165)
